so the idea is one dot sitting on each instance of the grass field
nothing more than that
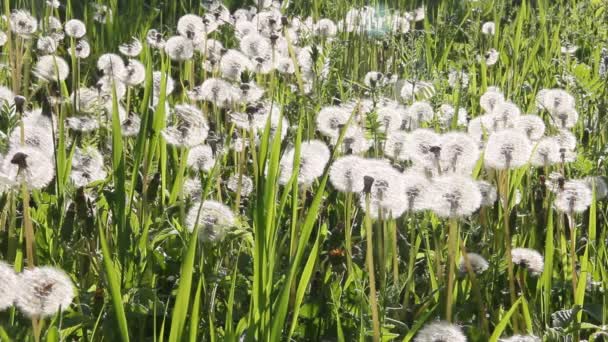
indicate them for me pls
(310, 170)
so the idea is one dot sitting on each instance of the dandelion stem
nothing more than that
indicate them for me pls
(348, 232)
(370, 272)
(572, 225)
(452, 246)
(504, 180)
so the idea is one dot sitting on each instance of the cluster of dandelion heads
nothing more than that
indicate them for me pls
(528, 259)
(477, 263)
(44, 291)
(8, 286)
(440, 331)
(87, 166)
(314, 155)
(212, 218)
(453, 196)
(574, 196)
(507, 149)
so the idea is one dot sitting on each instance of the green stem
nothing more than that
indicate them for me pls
(370, 272)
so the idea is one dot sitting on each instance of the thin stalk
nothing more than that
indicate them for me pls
(572, 225)
(370, 272)
(348, 232)
(452, 246)
(506, 216)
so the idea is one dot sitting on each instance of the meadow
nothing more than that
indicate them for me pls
(303, 170)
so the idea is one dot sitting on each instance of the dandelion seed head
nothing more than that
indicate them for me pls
(8, 287)
(132, 48)
(87, 166)
(453, 196)
(574, 197)
(409, 90)
(111, 64)
(488, 193)
(217, 91)
(373, 79)
(488, 28)
(82, 49)
(546, 152)
(330, 120)
(345, 173)
(424, 147)
(458, 78)
(46, 45)
(415, 187)
(440, 332)
(131, 125)
(134, 73)
(599, 185)
(7, 97)
(395, 145)
(179, 48)
(191, 26)
(155, 39)
(233, 63)
(201, 158)
(101, 13)
(3, 38)
(507, 149)
(43, 291)
(246, 184)
(566, 139)
(314, 155)
(418, 113)
(529, 259)
(23, 23)
(532, 125)
(459, 153)
(491, 57)
(83, 124)
(51, 68)
(255, 45)
(387, 195)
(107, 86)
(490, 99)
(478, 263)
(214, 221)
(75, 28)
(390, 117)
(521, 338)
(28, 165)
(355, 141)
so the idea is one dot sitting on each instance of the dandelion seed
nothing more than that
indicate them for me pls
(416, 187)
(75, 28)
(8, 286)
(246, 184)
(51, 68)
(478, 263)
(314, 155)
(355, 141)
(44, 291)
(599, 185)
(211, 48)
(507, 149)
(488, 193)
(532, 125)
(84, 124)
(417, 113)
(155, 39)
(395, 145)
(216, 91)
(503, 116)
(55, 29)
(201, 158)
(325, 28)
(111, 64)
(23, 23)
(387, 193)
(250, 92)
(424, 148)
(101, 13)
(82, 49)
(214, 220)
(179, 48)
(490, 99)
(488, 28)
(566, 140)
(131, 49)
(233, 63)
(28, 165)
(88, 100)
(284, 65)
(453, 196)
(192, 188)
(107, 86)
(191, 26)
(46, 45)
(459, 153)
(134, 73)
(373, 79)
(546, 152)
(491, 57)
(440, 332)
(87, 167)
(345, 173)
(330, 120)
(131, 125)
(555, 100)
(529, 259)
(390, 117)
(255, 45)
(574, 197)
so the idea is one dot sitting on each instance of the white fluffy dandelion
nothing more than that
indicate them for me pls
(131, 49)
(440, 332)
(8, 286)
(529, 259)
(532, 125)
(507, 149)
(478, 263)
(29, 166)
(75, 28)
(201, 158)
(23, 23)
(490, 99)
(459, 153)
(574, 197)
(213, 220)
(43, 291)
(546, 152)
(179, 48)
(415, 187)
(488, 193)
(345, 173)
(51, 68)
(314, 155)
(453, 196)
(244, 182)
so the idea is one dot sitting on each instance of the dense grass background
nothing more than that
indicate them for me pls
(282, 273)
